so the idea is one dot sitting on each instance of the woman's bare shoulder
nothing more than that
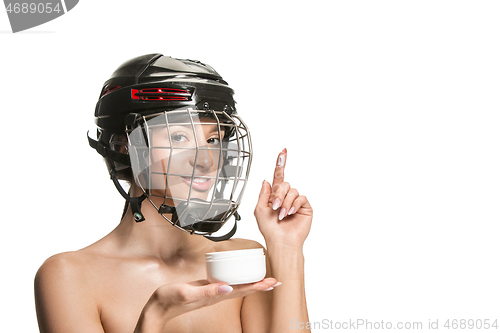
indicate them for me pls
(62, 261)
(66, 266)
(63, 295)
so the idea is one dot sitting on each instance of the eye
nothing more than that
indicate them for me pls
(213, 141)
(179, 137)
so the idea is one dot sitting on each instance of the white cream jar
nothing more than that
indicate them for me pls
(236, 267)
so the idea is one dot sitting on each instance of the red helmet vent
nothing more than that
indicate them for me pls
(161, 94)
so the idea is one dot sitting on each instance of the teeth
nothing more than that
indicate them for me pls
(196, 179)
(200, 180)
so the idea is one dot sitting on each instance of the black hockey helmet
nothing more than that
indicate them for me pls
(153, 82)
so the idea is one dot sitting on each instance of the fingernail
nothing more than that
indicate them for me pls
(276, 203)
(282, 214)
(268, 289)
(291, 211)
(224, 289)
(277, 284)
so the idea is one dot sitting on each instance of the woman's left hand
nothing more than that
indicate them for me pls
(284, 217)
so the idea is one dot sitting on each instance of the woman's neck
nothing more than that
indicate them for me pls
(156, 237)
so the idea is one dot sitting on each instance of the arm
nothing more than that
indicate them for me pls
(289, 300)
(284, 218)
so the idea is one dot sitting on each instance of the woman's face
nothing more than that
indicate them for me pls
(186, 159)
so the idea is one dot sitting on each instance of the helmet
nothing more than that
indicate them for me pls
(171, 124)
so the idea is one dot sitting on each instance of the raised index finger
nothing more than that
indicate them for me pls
(279, 171)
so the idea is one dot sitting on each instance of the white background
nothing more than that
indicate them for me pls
(389, 111)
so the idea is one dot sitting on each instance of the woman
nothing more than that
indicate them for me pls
(169, 128)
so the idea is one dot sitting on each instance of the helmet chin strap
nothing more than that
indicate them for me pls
(229, 234)
(135, 202)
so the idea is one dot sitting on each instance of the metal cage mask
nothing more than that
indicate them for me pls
(192, 165)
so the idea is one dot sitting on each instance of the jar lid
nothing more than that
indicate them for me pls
(234, 254)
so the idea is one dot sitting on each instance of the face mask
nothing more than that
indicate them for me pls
(192, 165)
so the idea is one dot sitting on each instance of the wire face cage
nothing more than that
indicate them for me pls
(193, 165)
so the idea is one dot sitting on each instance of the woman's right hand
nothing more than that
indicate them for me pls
(174, 299)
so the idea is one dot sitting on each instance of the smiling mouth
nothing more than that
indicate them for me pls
(199, 184)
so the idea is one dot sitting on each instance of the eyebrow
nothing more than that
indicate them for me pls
(214, 129)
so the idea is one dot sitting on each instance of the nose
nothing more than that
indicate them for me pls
(202, 160)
